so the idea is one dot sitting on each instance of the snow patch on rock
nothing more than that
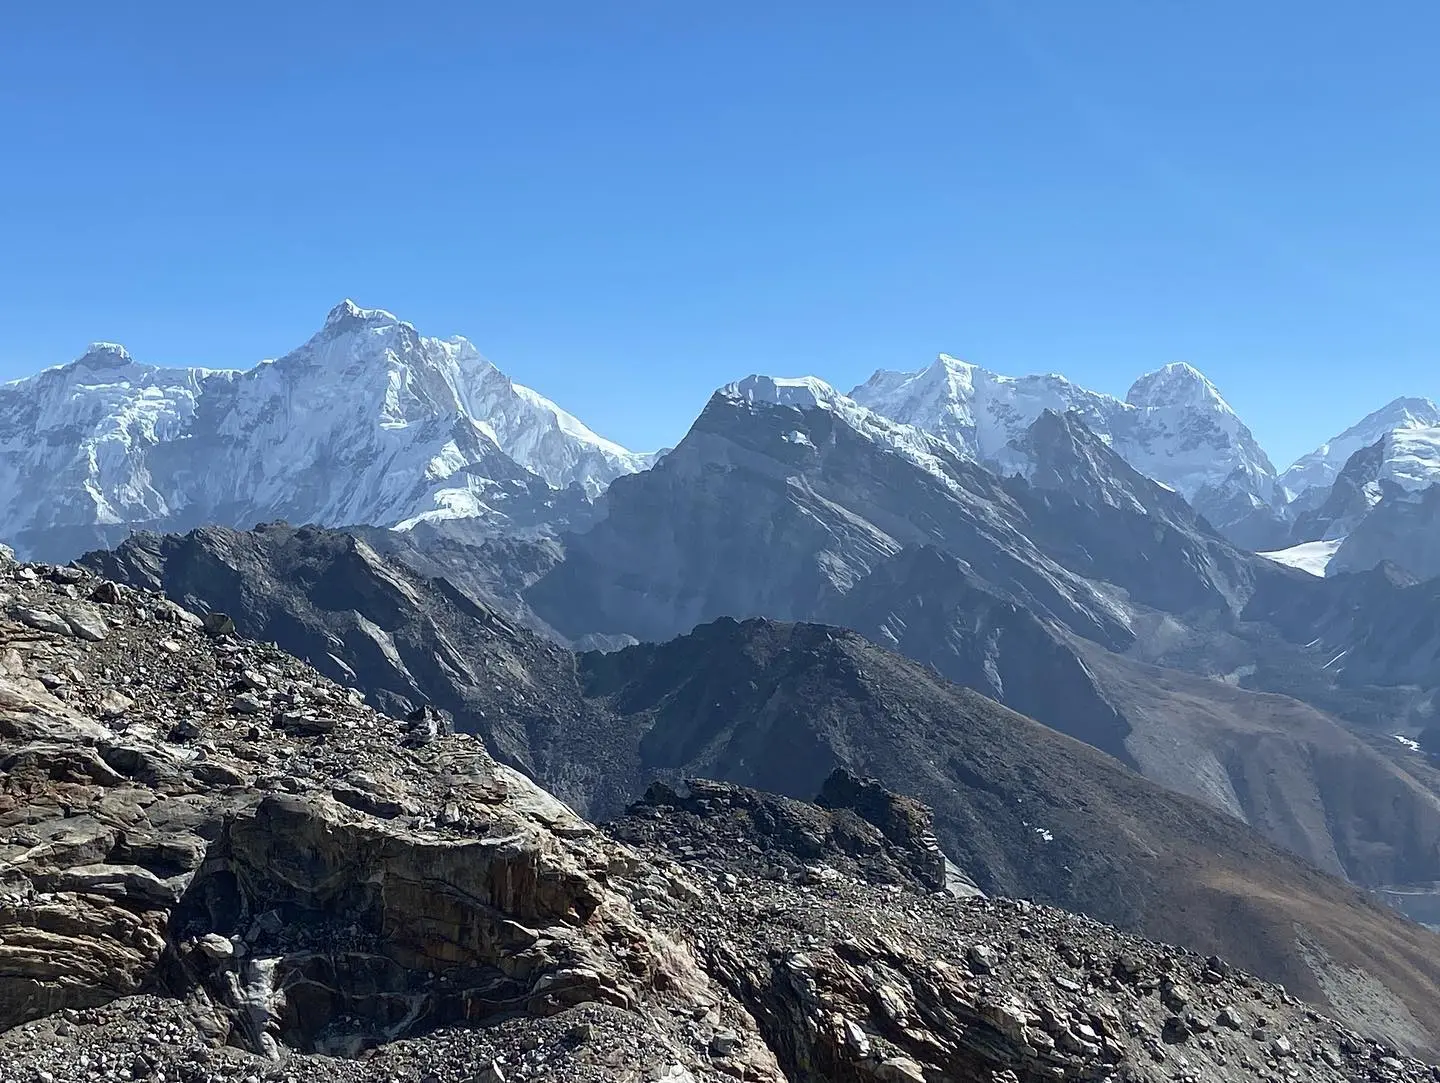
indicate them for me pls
(1313, 556)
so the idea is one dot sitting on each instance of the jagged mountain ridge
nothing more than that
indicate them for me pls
(1412, 457)
(367, 422)
(769, 508)
(776, 706)
(790, 511)
(777, 505)
(1174, 426)
(785, 495)
(372, 423)
(1381, 508)
(231, 868)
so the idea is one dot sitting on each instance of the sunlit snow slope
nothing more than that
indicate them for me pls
(367, 422)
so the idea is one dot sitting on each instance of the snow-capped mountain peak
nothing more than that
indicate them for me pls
(104, 355)
(394, 374)
(1175, 426)
(1177, 384)
(1404, 413)
(368, 421)
(801, 392)
(811, 393)
(1411, 430)
(347, 314)
(978, 412)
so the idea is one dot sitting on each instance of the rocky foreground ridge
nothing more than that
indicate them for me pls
(217, 864)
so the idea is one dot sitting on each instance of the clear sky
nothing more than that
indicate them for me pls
(626, 203)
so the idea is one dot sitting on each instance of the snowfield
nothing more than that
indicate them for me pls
(1313, 557)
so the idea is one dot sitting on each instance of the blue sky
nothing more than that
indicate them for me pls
(625, 204)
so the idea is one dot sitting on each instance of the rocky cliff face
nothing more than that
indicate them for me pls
(1097, 516)
(1399, 530)
(1340, 509)
(1286, 769)
(857, 829)
(773, 509)
(186, 811)
(216, 863)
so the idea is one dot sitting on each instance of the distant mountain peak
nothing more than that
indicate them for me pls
(1406, 412)
(1174, 426)
(1176, 384)
(948, 367)
(367, 422)
(801, 392)
(348, 315)
(105, 355)
(1411, 454)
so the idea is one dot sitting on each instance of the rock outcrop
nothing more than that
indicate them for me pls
(188, 813)
(858, 829)
(851, 978)
(216, 863)
(777, 707)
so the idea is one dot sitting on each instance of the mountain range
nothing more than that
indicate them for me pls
(1021, 808)
(367, 422)
(371, 422)
(1135, 670)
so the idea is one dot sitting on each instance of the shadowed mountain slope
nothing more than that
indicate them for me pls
(1022, 808)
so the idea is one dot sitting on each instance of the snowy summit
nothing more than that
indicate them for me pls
(367, 422)
(1173, 425)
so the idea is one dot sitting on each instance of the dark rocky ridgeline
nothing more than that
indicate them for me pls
(216, 863)
(1091, 512)
(778, 707)
(775, 511)
(404, 637)
(1022, 809)
(1335, 512)
(856, 828)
